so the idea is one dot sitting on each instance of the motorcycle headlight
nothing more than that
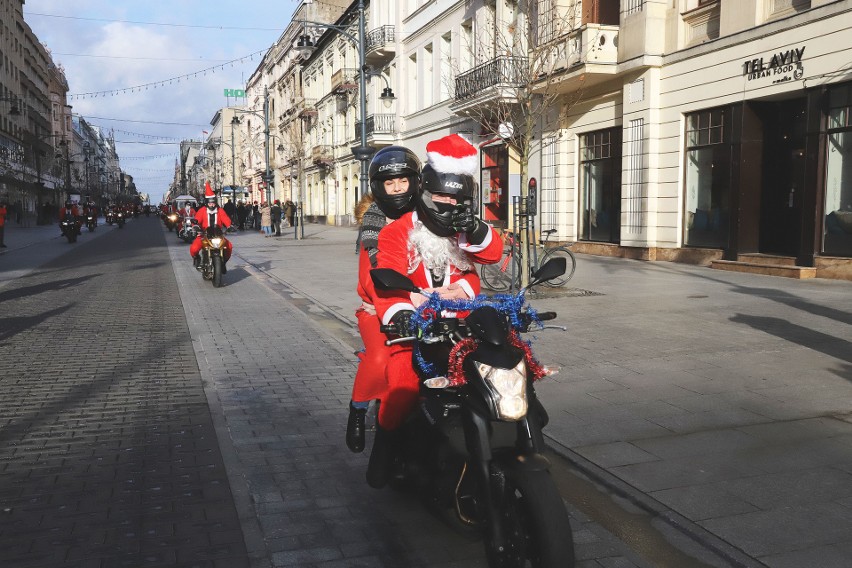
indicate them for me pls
(509, 387)
(216, 241)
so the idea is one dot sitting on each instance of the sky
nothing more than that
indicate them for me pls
(112, 46)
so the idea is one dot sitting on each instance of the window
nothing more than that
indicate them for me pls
(600, 191)
(837, 232)
(446, 66)
(708, 178)
(412, 93)
(428, 73)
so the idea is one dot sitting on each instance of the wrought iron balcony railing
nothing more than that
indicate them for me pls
(504, 71)
(380, 37)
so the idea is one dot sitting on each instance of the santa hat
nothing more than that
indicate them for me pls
(208, 191)
(452, 154)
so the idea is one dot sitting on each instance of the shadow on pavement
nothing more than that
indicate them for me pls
(46, 287)
(10, 327)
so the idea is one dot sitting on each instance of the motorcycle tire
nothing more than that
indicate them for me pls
(217, 271)
(72, 237)
(536, 525)
(91, 228)
(121, 225)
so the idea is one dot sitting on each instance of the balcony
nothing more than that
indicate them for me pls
(308, 110)
(491, 81)
(381, 128)
(343, 81)
(380, 44)
(585, 57)
(322, 155)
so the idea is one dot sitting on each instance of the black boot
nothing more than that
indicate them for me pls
(381, 457)
(196, 261)
(355, 429)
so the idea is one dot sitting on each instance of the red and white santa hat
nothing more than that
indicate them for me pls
(452, 154)
(208, 191)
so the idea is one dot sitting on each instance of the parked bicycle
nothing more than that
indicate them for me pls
(506, 274)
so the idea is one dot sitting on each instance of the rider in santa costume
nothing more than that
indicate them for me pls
(437, 246)
(211, 216)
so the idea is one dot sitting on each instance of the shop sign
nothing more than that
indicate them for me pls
(782, 66)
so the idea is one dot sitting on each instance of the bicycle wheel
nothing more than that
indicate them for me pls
(498, 277)
(570, 262)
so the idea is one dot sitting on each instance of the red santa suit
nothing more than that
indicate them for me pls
(397, 251)
(211, 218)
(65, 212)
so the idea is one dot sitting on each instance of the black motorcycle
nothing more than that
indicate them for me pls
(473, 451)
(91, 222)
(171, 221)
(119, 219)
(69, 229)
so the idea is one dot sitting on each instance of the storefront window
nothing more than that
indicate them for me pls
(838, 179)
(600, 194)
(708, 179)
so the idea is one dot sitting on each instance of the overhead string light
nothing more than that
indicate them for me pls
(164, 82)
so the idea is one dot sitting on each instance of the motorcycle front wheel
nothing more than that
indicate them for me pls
(536, 526)
(217, 271)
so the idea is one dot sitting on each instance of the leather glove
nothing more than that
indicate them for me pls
(463, 219)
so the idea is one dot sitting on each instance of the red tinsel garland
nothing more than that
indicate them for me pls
(463, 348)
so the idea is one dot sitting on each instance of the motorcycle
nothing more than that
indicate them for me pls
(119, 219)
(188, 229)
(473, 450)
(171, 221)
(69, 229)
(91, 222)
(211, 261)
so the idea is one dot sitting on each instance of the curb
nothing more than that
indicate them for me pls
(654, 508)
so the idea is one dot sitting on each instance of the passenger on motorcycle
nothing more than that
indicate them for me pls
(211, 216)
(187, 210)
(394, 178)
(436, 246)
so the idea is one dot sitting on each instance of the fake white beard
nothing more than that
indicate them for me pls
(435, 252)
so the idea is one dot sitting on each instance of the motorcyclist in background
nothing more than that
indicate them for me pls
(211, 216)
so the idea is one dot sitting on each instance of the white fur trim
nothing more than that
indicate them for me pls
(465, 285)
(467, 165)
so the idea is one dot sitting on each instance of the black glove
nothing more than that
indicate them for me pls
(464, 221)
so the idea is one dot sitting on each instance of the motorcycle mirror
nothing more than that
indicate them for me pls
(554, 267)
(388, 279)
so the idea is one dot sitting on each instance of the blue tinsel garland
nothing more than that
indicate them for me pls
(510, 305)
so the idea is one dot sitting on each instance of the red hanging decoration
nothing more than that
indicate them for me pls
(533, 366)
(458, 354)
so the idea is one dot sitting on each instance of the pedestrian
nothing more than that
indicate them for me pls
(3, 212)
(242, 213)
(230, 208)
(255, 217)
(290, 212)
(266, 219)
(276, 218)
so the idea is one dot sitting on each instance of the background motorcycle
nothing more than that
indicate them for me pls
(171, 221)
(188, 229)
(473, 451)
(91, 222)
(69, 229)
(212, 256)
(119, 219)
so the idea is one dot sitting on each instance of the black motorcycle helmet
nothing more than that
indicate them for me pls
(438, 216)
(394, 162)
(210, 200)
(68, 204)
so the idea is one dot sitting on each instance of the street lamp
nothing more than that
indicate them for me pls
(305, 47)
(267, 177)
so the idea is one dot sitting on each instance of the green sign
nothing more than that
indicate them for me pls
(235, 93)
